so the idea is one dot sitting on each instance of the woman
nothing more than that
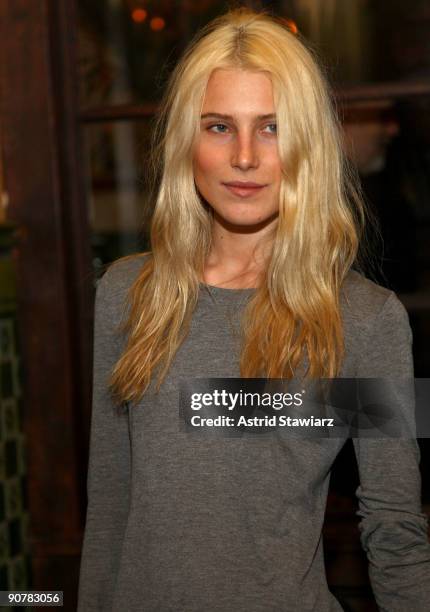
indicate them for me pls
(255, 231)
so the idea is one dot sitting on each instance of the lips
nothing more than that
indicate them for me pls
(244, 189)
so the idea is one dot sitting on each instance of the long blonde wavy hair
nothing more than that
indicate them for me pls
(294, 315)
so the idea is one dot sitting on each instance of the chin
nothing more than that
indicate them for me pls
(245, 221)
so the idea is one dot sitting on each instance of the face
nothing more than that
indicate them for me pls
(237, 169)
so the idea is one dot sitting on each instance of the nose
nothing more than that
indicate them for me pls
(244, 153)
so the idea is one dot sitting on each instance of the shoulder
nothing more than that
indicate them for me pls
(121, 273)
(378, 336)
(113, 286)
(365, 303)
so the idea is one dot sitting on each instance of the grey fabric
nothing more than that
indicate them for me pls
(180, 523)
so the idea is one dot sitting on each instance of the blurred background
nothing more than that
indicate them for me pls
(80, 81)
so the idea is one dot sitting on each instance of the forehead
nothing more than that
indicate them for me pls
(238, 92)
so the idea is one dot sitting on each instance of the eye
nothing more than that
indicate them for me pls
(218, 128)
(271, 128)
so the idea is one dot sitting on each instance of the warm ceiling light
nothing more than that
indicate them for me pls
(292, 25)
(157, 23)
(139, 15)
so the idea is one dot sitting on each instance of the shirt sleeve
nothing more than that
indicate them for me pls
(108, 482)
(393, 528)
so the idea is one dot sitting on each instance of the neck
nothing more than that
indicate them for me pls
(239, 255)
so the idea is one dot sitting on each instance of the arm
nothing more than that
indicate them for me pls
(393, 527)
(109, 465)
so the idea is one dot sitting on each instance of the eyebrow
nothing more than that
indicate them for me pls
(229, 117)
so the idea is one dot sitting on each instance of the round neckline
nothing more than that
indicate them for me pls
(215, 288)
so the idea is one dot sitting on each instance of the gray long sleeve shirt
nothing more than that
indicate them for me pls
(178, 523)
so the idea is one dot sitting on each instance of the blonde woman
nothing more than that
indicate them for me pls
(254, 235)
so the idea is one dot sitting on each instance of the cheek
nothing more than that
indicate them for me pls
(207, 161)
(274, 163)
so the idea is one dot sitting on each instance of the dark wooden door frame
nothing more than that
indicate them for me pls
(41, 152)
